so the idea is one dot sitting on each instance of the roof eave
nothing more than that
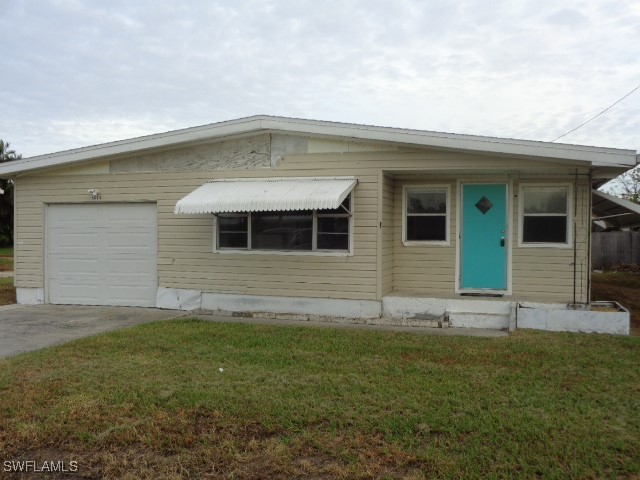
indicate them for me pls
(595, 156)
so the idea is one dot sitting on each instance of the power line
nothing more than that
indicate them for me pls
(596, 116)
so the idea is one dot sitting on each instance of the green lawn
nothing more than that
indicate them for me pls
(151, 402)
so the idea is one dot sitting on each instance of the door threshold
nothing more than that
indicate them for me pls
(476, 294)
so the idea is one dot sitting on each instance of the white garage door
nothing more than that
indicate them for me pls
(102, 254)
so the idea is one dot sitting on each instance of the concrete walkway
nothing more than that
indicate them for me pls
(7, 274)
(25, 328)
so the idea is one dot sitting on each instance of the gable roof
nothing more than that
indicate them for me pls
(596, 156)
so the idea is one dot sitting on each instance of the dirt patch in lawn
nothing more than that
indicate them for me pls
(6, 262)
(7, 291)
(224, 451)
(621, 287)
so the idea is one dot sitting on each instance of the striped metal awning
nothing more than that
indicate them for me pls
(267, 194)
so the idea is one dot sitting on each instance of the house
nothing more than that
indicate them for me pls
(272, 214)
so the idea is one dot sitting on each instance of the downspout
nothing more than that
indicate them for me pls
(589, 237)
(575, 232)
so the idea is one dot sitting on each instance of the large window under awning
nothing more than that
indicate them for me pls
(234, 195)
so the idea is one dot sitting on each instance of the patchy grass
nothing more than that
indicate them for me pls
(6, 259)
(622, 287)
(7, 291)
(151, 402)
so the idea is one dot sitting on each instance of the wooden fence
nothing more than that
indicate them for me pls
(614, 248)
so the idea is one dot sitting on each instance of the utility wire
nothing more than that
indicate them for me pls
(596, 116)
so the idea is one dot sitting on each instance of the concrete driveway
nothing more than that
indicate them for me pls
(26, 328)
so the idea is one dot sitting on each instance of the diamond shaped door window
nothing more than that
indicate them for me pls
(484, 205)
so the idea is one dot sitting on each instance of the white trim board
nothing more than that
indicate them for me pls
(591, 156)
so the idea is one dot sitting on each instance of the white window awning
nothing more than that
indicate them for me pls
(267, 194)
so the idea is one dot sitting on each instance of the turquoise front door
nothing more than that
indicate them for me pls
(484, 237)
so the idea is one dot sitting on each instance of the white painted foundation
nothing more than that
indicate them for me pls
(178, 299)
(301, 305)
(30, 296)
(563, 319)
(408, 311)
(467, 313)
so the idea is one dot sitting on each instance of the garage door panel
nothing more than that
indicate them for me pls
(134, 266)
(130, 240)
(73, 216)
(125, 295)
(63, 265)
(73, 241)
(76, 292)
(102, 254)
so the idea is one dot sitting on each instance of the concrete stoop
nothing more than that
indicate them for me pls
(463, 313)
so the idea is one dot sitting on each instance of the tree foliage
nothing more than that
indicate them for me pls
(630, 185)
(6, 199)
(626, 185)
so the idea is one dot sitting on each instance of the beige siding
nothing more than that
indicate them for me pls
(388, 227)
(380, 263)
(424, 269)
(538, 274)
(185, 243)
(546, 274)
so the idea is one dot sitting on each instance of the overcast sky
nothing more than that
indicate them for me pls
(77, 73)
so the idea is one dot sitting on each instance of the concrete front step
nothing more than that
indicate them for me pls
(456, 312)
(478, 320)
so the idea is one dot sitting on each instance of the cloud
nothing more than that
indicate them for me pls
(87, 72)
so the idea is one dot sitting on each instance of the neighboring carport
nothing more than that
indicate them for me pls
(614, 211)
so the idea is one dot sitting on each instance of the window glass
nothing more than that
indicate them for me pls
(232, 231)
(296, 230)
(545, 214)
(545, 200)
(427, 201)
(543, 229)
(426, 214)
(427, 228)
(333, 233)
(337, 225)
(282, 230)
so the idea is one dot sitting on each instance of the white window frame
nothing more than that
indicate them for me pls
(313, 251)
(447, 241)
(569, 215)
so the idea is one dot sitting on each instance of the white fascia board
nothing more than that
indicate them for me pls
(138, 144)
(596, 156)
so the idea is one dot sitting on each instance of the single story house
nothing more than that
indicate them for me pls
(273, 214)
